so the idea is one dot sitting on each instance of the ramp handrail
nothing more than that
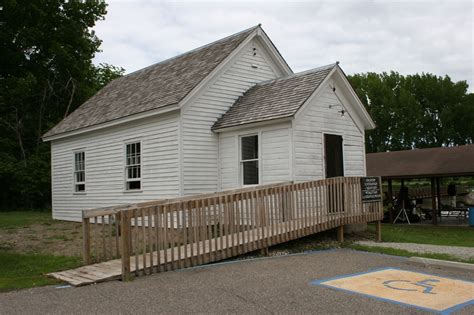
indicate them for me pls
(183, 232)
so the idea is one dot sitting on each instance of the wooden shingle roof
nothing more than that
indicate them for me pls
(154, 87)
(422, 163)
(274, 99)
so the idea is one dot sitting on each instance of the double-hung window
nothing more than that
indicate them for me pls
(79, 171)
(249, 159)
(133, 166)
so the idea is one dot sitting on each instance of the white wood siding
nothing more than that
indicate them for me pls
(200, 145)
(274, 155)
(105, 162)
(317, 118)
(275, 147)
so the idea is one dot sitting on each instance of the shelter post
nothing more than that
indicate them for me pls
(434, 218)
(402, 192)
(438, 196)
(390, 200)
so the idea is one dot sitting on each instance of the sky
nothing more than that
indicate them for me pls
(405, 36)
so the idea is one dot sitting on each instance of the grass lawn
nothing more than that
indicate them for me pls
(426, 234)
(18, 271)
(32, 244)
(405, 253)
(434, 235)
(21, 219)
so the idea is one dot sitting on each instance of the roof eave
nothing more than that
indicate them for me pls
(369, 124)
(278, 57)
(252, 124)
(314, 94)
(122, 120)
(421, 176)
(275, 55)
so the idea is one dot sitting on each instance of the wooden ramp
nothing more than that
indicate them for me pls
(184, 232)
(212, 250)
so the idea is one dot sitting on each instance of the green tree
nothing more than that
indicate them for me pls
(46, 71)
(415, 111)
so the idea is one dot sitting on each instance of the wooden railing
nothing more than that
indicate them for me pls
(178, 233)
(101, 226)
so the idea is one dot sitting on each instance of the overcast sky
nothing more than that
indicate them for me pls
(405, 36)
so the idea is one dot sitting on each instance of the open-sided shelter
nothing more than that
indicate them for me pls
(430, 163)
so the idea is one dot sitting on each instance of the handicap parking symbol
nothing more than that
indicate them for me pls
(416, 289)
(427, 285)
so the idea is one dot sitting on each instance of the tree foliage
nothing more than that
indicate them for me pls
(46, 71)
(415, 111)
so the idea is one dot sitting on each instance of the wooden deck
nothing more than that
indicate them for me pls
(184, 232)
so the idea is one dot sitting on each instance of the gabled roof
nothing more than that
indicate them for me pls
(154, 87)
(422, 163)
(274, 99)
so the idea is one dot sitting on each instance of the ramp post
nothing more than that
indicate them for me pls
(86, 241)
(340, 233)
(125, 244)
(378, 231)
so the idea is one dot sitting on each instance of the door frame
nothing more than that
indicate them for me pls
(323, 142)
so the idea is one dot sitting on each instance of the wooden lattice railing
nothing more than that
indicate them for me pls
(178, 233)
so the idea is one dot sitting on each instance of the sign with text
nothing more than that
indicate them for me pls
(370, 189)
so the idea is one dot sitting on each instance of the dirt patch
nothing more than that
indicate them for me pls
(52, 237)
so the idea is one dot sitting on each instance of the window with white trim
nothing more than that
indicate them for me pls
(249, 159)
(133, 166)
(79, 171)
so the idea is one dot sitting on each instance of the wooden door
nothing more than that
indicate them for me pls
(334, 159)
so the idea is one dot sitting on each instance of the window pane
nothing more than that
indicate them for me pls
(133, 153)
(79, 161)
(250, 170)
(132, 169)
(133, 185)
(79, 171)
(250, 148)
(80, 187)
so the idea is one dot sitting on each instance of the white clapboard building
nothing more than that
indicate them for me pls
(225, 115)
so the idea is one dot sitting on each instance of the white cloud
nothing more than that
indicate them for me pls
(405, 36)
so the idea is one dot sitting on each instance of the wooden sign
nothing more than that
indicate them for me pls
(370, 189)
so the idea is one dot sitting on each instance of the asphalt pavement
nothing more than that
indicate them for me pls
(264, 285)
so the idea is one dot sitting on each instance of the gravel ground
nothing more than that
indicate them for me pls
(267, 285)
(456, 251)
